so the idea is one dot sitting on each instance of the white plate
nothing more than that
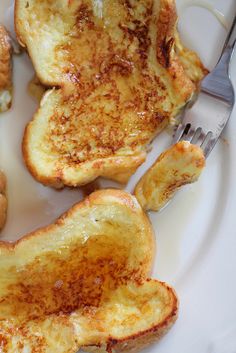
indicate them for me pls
(196, 233)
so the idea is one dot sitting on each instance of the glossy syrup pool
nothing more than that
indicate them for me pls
(32, 205)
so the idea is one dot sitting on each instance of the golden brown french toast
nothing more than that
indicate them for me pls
(83, 282)
(5, 70)
(119, 74)
(179, 165)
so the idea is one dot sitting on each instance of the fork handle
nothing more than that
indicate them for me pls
(217, 83)
(231, 37)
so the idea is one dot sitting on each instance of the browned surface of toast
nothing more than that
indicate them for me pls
(120, 74)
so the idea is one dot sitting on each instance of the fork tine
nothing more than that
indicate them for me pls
(178, 133)
(196, 135)
(208, 143)
(206, 140)
(188, 134)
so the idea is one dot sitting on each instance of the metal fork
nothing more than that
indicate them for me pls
(204, 118)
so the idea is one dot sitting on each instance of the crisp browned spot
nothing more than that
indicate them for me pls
(84, 18)
(3, 341)
(165, 38)
(166, 47)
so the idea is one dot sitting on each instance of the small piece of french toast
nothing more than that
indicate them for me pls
(181, 164)
(82, 282)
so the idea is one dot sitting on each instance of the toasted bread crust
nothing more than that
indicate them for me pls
(116, 92)
(137, 342)
(99, 197)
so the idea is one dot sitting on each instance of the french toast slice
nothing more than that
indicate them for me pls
(179, 165)
(83, 282)
(119, 74)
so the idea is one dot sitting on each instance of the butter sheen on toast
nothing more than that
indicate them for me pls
(119, 74)
(83, 282)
